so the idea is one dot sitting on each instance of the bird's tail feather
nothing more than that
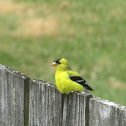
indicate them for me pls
(88, 87)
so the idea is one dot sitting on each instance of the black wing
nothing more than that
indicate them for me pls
(81, 81)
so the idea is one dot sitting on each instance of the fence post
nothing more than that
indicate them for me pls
(38, 103)
(48, 107)
(105, 113)
(12, 106)
(45, 104)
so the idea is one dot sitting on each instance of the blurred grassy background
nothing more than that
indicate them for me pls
(91, 35)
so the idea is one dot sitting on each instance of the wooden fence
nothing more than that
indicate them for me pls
(25, 102)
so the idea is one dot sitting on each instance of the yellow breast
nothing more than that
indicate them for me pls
(65, 84)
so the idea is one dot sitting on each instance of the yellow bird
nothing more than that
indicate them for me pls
(67, 79)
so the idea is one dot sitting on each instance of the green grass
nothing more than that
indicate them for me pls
(90, 34)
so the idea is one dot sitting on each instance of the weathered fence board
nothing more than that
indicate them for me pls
(50, 108)
(105, 113)
(45, 104)
(75, 109)
(12, 107)
(25, 102)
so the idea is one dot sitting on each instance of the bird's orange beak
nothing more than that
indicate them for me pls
(54, 64)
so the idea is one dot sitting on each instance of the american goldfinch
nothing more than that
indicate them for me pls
(67, 79)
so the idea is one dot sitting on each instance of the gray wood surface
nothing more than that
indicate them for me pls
(25, 102)
(105, 113)
(12, 84)
(48, 107)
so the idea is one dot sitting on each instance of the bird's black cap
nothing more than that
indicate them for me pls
(58, 61)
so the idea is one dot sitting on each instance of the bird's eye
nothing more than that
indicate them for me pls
(58, 61)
